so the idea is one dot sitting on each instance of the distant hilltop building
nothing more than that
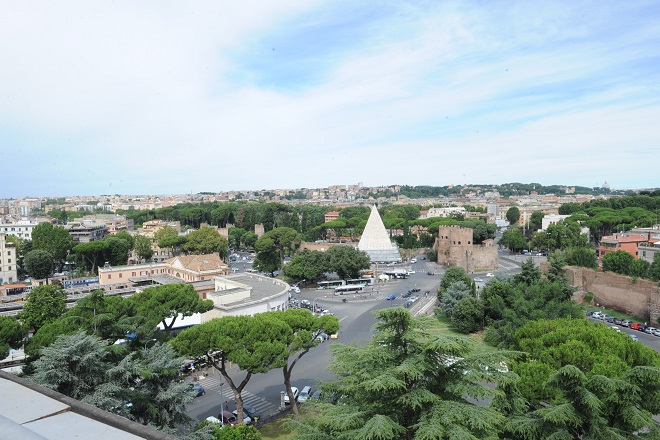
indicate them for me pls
(375, 241)
(606, 186)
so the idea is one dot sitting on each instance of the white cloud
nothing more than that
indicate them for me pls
(143, 98)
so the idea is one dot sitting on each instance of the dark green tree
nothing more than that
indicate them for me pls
(346, 261)
(11, 335)
(53, 239)
(163, 304)
(513, 215)
(256, 344)
(116, 250)
(306, 329)
(530, 273)
(39, 264)
(279, 241)
(43, 304)
(513, 239)
(307, 265)
(581, 257)
(452, 295)
(143, 248)
(619, 262)
(207, 240)
(73, 365)
(468, 315)
(406, 384)
(454, 275)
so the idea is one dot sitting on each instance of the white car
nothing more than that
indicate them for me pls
(413, 260)
(295, 393)
(490, 275)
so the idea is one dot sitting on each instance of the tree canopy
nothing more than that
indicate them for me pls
(406, 384)
(43, 304)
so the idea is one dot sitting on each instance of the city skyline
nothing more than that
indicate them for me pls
(152, 98)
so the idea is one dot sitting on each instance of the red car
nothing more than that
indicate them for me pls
(634, 325)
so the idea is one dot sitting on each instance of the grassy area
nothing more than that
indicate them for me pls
(275, 431)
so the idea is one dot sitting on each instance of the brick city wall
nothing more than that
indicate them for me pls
(639, 298)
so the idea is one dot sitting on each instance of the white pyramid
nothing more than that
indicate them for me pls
(376, 242)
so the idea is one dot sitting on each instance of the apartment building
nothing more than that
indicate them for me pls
(621, 242)
(8, 269)
(20, 227)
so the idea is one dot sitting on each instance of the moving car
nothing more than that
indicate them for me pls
(295, 393)
(479, 280)
(490, 275)
(196, 389)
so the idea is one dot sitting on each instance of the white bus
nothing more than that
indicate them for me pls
(330, 284)
(367, 281)
(351, 288)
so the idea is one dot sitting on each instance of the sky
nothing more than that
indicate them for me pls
(171, 97)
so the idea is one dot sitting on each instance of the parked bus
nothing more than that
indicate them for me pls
(367, 281)
(351, 288)
(330, 284)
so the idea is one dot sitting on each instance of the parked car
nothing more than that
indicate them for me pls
(626, 323)
(610, 319)
(478, 280)
(251, 412)
(596, 315)
(490, 275)
(316, 395)
(196, 389)
(656, 332)
(642, 328)
(408, 303)
(414, 290)
(246, 418)
(322, 337)
(405, 294)
(634, 325)
(226, 418)
(391, 297)
(430, 273)
(295, 392)
(650, 330)
(413, 260)
(305, 393)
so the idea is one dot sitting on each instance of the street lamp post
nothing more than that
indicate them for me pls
(222, 408)
(150, 340)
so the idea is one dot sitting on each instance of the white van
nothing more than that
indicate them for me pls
(305, 393)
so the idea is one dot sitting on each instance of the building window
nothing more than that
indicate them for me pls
(133, 274)
(109, 275)
(120, 274)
